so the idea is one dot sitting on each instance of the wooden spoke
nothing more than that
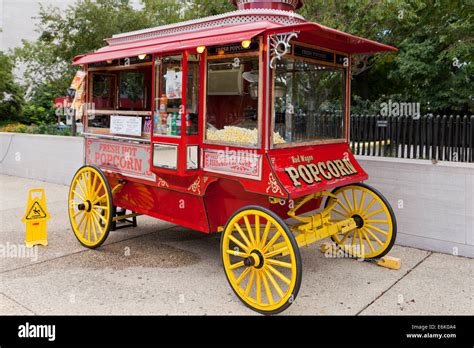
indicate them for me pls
(272, 241)
(381, 210)
(338, 202)
(237, 265)
(93, 187)
(257, 230)
(267, 289)
(97, 222)
(243, 275)
(354, 199)
(377, 221)
(339, 212)
(102, 207)
(94, 228)
(345, 236)
(362, 198)
(81, 221)
(242, 234)
(274, 283)
(79, 195)
(353, 238)
(278, 263)
(361, 243)
(236, 253)
(368, 206)
(99, 215)
(276, 252)
(374, 236)
(265, 233)
(249, 230)
(376, 229)
(371, 246)
(347, 201)
(78, 213)
(259, 289)
(250, 283)
(78, 184)
(278, 274)
(239, 243)
(99, 199)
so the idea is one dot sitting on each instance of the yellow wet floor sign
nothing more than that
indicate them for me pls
(35, 218)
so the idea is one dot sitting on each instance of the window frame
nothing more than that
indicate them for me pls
(158, 87)
(261, 67)
(345, 102)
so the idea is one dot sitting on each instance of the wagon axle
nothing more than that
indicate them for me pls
(256, 260)
(87, 206)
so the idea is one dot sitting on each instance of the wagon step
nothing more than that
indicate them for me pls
(123, 220)
(389, 262)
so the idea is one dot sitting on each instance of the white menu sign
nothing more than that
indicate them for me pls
(126, 125)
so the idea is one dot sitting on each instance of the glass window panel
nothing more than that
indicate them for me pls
(309, 102)
(103, 91)
(165, 156)
(232, 100)
(192, 95)
(168, 98)
(132, 90)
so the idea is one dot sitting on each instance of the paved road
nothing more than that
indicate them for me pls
(159, 268)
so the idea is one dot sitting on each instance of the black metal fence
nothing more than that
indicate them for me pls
(442, 138)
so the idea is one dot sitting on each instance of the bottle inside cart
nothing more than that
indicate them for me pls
(169, 124)
(156, 123)
(178, 124)
(173, 123)
(189, 124)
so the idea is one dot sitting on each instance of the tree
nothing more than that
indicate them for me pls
(434, 65)
(11, 96)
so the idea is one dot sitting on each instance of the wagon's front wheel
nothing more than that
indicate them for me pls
(261, 259)
(376, 224)
(90, 206)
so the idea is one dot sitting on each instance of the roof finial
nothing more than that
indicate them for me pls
(286, 5)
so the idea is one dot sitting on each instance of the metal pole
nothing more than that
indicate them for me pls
(73, 125)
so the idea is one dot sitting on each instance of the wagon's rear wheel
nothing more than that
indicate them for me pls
(90, 206)
(261, 259)
(377, 226)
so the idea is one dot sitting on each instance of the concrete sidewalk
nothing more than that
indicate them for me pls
(160, 268)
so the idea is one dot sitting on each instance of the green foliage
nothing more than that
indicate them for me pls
(51, 129)
(11, 96)
(434, 66)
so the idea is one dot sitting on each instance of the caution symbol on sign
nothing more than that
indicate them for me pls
(35, 218)
(36, 212)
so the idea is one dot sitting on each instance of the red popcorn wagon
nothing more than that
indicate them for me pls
(235, 124)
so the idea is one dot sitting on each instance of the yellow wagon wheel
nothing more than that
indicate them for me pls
(377, 226)
(261, 259)
(90, 206)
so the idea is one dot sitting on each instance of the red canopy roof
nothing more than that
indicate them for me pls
(325, 37)
(208, 37)
(313, 33)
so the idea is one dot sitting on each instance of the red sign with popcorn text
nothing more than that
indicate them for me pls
(123, 158)
(306, 170)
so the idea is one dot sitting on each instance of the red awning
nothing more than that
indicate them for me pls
(208, 37)
(320, 35)
(313, 33)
